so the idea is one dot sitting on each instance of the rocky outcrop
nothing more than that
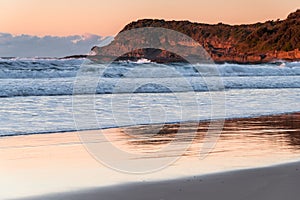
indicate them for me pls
(253, 43)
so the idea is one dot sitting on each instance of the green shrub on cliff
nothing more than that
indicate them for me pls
(280, 35)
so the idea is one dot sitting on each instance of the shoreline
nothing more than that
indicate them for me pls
(58, 166)
(274, 182)
(166, 123)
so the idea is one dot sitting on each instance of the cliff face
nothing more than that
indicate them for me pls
(253, 43)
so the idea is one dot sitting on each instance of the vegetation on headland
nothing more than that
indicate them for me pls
(251, 43)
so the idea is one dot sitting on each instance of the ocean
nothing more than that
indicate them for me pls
(36, 94)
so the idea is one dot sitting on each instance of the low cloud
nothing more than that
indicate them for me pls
(48, 46)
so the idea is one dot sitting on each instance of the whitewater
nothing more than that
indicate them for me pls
(36, 95)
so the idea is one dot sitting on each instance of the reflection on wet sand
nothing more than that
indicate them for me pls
(281, 132)
(59, 162)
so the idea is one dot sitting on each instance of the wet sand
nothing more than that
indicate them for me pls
(58, 166)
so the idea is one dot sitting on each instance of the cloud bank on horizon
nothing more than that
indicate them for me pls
(48, 46)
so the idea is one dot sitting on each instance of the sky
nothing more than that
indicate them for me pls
(107, 17)
(49, 46)
(68, 18)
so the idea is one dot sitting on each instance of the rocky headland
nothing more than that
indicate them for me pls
(252, 43)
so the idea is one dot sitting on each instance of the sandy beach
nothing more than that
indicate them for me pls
(244, 164)
(276, 183)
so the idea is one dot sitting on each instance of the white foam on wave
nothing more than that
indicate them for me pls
(40, 77)
(52, 68)
(143, 60)
(44, 114)
(289, 69)
(64, 86)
